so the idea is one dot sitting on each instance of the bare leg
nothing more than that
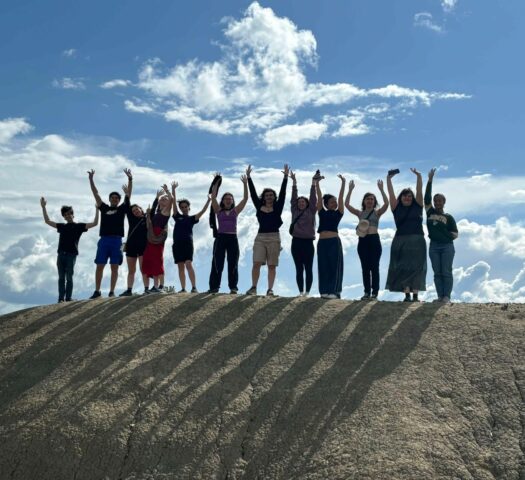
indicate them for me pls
(156, 281)
(182, 275)
(272, 271)
(256, 272)
(161, 279)
(191, 273)
(132, 268)
(144, 277)
(98, 276)
(114, 277)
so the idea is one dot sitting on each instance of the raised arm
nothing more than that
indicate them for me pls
(153, 208)
(127, 171)
(355, 211)
(428, 189)
(319, 194)
(174, 186)
(391, 194)
(94, 223)
(240, 207)
(293, 200)
(419, 186)
(384, 208)
(341, 199)
(167, 210)
(214, 203)
(203, 211)
(43, 204)
(253, 193)
(282, 192)
(91, 174)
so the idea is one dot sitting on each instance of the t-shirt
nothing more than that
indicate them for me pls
(440, 226)
(409, 220)
(137, 228)
(269, 222)
(69, 236)
(329, 220)
(183, 226)
(112, 219)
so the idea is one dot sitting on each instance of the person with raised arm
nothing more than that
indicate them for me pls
(183, 238)
(442, 231)
(369, 244)
(408, 254)
(267, 245)
(226, 244)
(136, 242)
(67, 252)
(111, 232)
(157, 218)
(302, 230)
(329, 247)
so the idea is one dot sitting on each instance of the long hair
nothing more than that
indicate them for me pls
(305, 199)
(221, 204)
(138, 206)
(268, 190)
(405, 191)
(368, 194)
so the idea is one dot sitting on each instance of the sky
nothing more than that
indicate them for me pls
(179, 90)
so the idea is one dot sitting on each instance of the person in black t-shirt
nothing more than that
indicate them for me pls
(67, 251)
(111, 233)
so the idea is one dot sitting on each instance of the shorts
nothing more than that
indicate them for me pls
(183, 251)
(135, 249)
(267, 248)
(109, 247)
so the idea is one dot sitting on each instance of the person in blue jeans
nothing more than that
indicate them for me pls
(442, 231)
(67, 252)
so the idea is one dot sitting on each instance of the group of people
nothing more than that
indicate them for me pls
(148, 231)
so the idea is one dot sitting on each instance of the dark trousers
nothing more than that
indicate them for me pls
(330, 266)
(369, 251)
(65, 267)
(225, 245)
(303, 256)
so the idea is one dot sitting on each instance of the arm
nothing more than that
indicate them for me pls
(203, 211)
(94, 223)
(239, 208)
(282, 191)
(349, 207)
(428, 190)
(453, 229)
(341, 201)
(167, 211)
(391, 194)
(253, 193)
(313, 198)
(44, 212)
(127, 171)
(293, 201)
(214, 203)
(98, 200)
(174, 186)
(419, 187)
(384, 208)
(153, 208)
(319, 195)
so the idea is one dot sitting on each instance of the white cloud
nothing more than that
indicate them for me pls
(118, 82)
(138, 107)
(449, 5)
(426, 20)
(68, 83)
(259, 84)
(11, 127)
(280, 137)
(69, 53)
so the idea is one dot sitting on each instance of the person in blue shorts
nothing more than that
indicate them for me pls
(111, 232)
(67, 252)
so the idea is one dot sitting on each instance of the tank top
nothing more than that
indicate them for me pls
(409, 220)
(227, 221)
(373, 219)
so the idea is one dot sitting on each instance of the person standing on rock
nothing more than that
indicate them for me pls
(267, 245)
(329, 247)
(111, 232)
(408, 254)
(226, 242)
(442, 231)
(302, 230)
(69, 236)
(369, 244)
(135, 242)
(183, 238)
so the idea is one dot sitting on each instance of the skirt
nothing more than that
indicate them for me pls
(408, 264)
(153, 259)
(330, 266)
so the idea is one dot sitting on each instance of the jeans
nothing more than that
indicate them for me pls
(65, 265)
(225, 245)
(442, 256)
(303, 256)
(369, 250)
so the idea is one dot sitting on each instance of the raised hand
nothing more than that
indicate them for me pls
(148, 210)
(415, 172)
(127, 171)
(91, 173)
(43, 202)
(380, 185)
(393, 174)
(249, 171)
(431, 174)
(174, 185)
(286, 170)
(244, 179)
(351, 185)
(125, 189)
(160, 193)
(165, 188)
(292, 176)
(343, 179)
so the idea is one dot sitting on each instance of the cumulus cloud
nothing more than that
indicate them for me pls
(259, 83)
(448, 5)
(68, 83)
(138, 107)
(426, 20)
(118, 82)
(11, 127)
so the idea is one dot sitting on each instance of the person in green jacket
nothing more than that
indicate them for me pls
(442, 231)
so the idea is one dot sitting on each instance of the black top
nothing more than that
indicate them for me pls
(183, 226)
(409, 220)
(329, 220)
(137, 229)
(69, 236)
(112, 219)
(269, 222)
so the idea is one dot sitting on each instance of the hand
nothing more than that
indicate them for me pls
(174, 185)
(292, 176)
(160, 193)
(415, 172)
(43, 202)
(244, 180)
(351, 185)
(165, 188)
(125, 190)
(91, 173)
(343, 179)
(127, 171)
(286, 170)
(390, 175)
(380, 185)
(431, 174)
(148, 210)
(249, 171)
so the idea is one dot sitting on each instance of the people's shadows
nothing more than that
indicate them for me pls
(50, 350)
(371, 352)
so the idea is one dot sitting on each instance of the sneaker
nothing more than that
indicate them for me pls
(60, 300)
(111, 294)
(194, 290)
(96, 294)
(233, 291)
(332, 296)
(252, 291)
(373, 296)
(445, 299)
(269, 293)
(212, 291)
(146, 291)
(71, 300)
(182, 290)
(154, 290)
(437, 300)
(324, 295)
(126, 293)
(366, 296)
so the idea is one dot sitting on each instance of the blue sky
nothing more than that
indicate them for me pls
(352, 86)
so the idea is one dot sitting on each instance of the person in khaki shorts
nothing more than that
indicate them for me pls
(267, 246)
